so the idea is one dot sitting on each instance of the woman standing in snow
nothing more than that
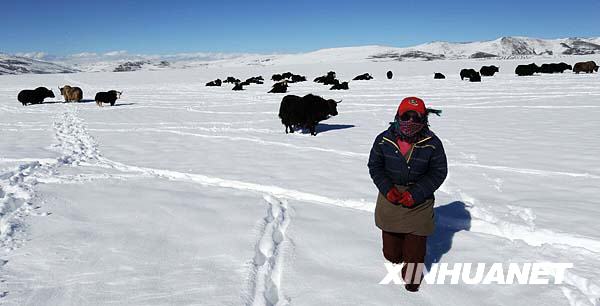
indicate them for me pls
(407, 164)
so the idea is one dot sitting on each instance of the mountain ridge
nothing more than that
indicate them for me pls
(12, 64)
(506, 47)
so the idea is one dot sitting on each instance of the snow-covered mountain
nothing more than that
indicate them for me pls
(123, 61)
(504, 47)
(11, 64)
(501, 48)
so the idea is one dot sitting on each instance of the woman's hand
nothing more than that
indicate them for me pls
(394, 196)
(406, 199)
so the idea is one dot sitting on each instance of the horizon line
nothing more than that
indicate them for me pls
(40, 55)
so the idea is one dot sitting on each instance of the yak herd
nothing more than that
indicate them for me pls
(304, 112)
(587, 67)
(526, 70)
(70, 94)
(283, 79)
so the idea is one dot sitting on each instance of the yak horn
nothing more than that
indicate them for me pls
(340, 101)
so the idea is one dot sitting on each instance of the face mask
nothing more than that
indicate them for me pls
(409, 128)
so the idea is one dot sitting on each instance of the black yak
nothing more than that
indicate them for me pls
(231, 80)
(587, 67)
(555, 68)
(467, 73)
(339, 86)
(524, 70)
(255, 80)
(364, 77)
(238, 86)
(277, 77)
(110, 97)
(390, 74)
(216, 82)
(562, 66)
(438, 75)
(298, 78)
(35, 96)
(328, 79)
(305, 112)
(280, 87)
(289, 77)
(488, 70)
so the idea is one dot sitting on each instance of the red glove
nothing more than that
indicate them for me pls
(394, 195)
(406, 199)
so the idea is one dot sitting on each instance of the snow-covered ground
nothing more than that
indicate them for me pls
(190, 195)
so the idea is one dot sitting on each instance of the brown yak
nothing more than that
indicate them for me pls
(71, 94)
(587, 67)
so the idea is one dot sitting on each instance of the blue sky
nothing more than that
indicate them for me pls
(162, 27)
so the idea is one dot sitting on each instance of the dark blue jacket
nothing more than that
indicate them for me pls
(423, 171)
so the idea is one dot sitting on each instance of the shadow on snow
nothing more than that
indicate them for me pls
(323, 127)
(449, 219)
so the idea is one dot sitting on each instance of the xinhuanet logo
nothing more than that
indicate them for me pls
(537, 273)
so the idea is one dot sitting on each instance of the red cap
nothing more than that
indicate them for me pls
(411, 104)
